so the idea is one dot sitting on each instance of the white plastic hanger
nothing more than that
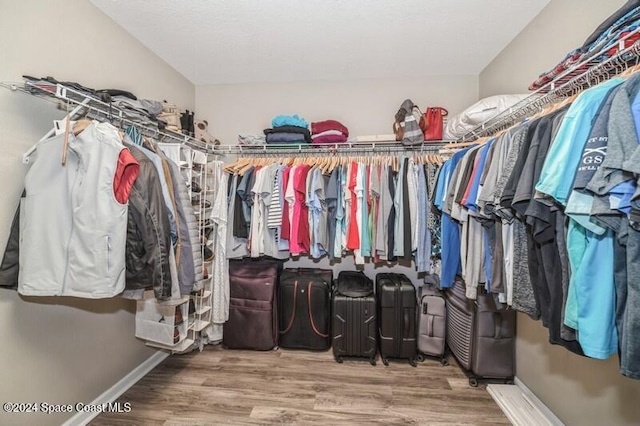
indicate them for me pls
(26, 156)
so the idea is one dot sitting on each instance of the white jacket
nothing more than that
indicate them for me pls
(72, 229)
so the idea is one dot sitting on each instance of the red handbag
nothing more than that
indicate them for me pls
(432, 122)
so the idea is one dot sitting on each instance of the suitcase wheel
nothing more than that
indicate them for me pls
(372, 361)
(385, 361)
(413, 363)
(473, 382)
(444, 362)
(420, 358)
(339, 360)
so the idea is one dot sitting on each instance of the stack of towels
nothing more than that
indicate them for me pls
(288, 130)
(328, 131)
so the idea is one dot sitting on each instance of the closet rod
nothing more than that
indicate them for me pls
(60, 94)
(582, 75)
(345, 148)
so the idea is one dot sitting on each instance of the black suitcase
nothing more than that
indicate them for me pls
(354, 317)
(253, 314)
(481, 335)
(396, 298)
(304, 304)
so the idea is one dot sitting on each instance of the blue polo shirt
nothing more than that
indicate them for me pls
(559, 170)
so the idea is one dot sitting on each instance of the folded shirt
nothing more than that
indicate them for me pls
(323, 126)
(143, 106)
(609, 22)
(288, 138)
(289, 120)
(251, 140)
(328, 133)
(291, 129)
(330, 139)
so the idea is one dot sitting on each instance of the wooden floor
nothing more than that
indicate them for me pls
(220, 387)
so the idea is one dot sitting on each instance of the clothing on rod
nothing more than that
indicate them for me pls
(542, 216)
(365, 208)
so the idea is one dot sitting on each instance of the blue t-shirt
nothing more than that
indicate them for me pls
(365, 241)
(591, 301)
(450, 229)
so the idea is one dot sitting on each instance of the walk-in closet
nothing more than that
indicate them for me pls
(321, 212)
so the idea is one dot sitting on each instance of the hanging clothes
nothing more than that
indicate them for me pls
(219, 216)
(357, 207)
(555, 196)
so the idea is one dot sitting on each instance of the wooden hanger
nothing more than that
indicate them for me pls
(629, 71)
(80, 126)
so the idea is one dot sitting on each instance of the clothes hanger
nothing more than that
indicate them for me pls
(630, 71)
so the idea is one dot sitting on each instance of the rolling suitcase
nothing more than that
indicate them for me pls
(396, 299)
(481, 335)
(304, 304)
(354, 332)
(253, 319)
(432, 324)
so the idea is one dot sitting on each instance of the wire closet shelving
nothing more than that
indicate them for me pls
(595, 68)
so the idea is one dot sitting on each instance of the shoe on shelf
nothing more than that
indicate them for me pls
(176, 335)
(178, 317)
(208, 254)
(205, 224)
(192, 307)
(206, 232)
(205, 274)
(196, 202)
(195, 187)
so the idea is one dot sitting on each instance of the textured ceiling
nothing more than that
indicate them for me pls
(243, 41)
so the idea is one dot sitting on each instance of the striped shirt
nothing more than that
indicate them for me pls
(274, 218)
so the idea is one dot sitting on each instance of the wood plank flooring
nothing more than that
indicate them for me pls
(223, 387)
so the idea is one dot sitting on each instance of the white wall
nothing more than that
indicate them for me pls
(366, 107)
(64, 350)
(580, 391)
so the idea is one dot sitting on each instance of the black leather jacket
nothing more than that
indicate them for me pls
(148, 237)
(9, 267)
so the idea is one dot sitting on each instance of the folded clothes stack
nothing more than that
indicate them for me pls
(288, 130)
(607, 38)
(328, 131)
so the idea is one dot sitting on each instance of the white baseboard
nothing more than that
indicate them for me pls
(111, 394)
(538, 403)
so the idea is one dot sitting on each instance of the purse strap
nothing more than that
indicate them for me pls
(443, 110)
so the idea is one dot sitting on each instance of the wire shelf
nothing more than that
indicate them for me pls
(590, 71)
(95, 108)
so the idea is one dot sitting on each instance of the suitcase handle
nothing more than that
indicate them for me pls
(430, 320)
(497, 321)
(313, 324)
(293, 315)
(406, 323)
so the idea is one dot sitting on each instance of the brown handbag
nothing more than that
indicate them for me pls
(432, 123)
